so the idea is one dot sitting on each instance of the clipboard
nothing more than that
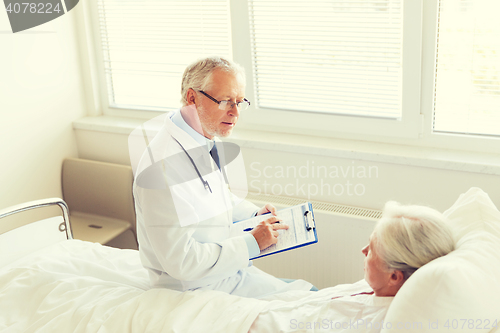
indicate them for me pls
(301, 231)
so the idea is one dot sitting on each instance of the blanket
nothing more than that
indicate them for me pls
(77, 286)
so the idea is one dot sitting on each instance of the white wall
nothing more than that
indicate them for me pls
(41, 94)
(382, 181)
(371, 185)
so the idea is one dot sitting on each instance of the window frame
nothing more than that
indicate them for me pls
(414, 128)
(429, 138)
(334, 125)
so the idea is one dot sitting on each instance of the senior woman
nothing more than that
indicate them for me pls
(404, 239)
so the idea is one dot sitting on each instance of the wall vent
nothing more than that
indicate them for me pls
(372, 214)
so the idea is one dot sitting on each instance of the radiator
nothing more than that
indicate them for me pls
(342, 232)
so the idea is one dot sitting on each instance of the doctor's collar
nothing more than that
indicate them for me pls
(199, 138)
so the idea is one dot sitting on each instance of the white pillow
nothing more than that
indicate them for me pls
(459, 292)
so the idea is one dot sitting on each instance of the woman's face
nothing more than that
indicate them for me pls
(377, 273)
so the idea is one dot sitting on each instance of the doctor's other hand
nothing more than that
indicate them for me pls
(266, 232)
(268, 208)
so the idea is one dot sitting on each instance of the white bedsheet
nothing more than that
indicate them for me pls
(350, 310)
(76, 286)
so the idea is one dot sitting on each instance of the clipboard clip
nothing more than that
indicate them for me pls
(310, 224)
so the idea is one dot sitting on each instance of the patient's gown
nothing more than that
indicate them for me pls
(343, 308)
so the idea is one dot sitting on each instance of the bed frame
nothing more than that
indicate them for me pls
(64, 226)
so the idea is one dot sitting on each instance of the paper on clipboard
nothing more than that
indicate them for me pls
(301, 228)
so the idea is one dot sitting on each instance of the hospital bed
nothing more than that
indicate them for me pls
(50, 282)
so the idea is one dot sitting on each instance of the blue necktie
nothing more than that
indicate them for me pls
(215, 156)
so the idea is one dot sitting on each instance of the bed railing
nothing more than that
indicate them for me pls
(63, 227)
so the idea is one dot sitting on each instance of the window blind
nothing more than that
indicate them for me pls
(328, 56)
(147, 45)
(467, 81)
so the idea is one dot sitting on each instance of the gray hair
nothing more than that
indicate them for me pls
(198, 75)
(410, 236)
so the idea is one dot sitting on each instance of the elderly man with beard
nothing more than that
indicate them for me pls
(187, 193)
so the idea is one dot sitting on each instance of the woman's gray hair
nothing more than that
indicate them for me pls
(409, 237)
(198, 75)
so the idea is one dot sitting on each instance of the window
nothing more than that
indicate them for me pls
(467, 95)
(352, 50)
(146, 45)
(314, 71)
(363, 70)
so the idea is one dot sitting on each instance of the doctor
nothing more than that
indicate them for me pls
(189, 188)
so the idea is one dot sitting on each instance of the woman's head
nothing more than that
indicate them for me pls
(404, 239)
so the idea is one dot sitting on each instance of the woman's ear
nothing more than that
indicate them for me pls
(397, 278)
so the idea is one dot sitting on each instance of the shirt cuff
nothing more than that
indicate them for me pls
(252, 245)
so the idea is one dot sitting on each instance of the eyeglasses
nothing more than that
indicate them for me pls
(228, 105)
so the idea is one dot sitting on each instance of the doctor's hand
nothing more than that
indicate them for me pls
(268, 208)
(266, 232)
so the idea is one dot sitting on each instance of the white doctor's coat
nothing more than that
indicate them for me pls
(184, 229)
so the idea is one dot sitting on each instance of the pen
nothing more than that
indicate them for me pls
(250, 229)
